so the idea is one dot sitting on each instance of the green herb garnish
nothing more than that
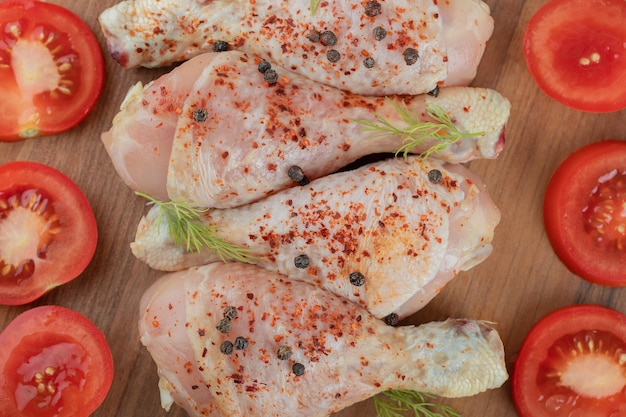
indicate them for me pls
(398, 402)
(186, 229)
(441, 129)
(313, 5)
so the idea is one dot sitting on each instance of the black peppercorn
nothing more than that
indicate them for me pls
(357, 279)
(392, 319)
(296, 174)
(328, 38)
(372, 8)
(410, 56)
(434, 92)
(241, 343)
(220, 46)
(270, 76)
(369, 62)
(284, 353)
(225, 325)
(230, 312)
(200, 115)
(434, 176)
(264, 66)
(333, 55)
(302, 261)
(379, 33)
(314, 36)
(297, 369)
(226, 347)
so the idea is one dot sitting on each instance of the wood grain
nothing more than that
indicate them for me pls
(519, 283)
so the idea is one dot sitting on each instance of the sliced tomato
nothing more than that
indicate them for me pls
(584, 212)
(54, 362)
(48, 232)
(51, 69)
(576, 51)
(571, 363)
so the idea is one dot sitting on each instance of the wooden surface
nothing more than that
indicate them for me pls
(519, 283)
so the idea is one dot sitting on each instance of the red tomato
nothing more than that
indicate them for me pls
(576, 51)
(48, 231)
(51, 69)
(584, 214)
(53, 362)
(572, 364)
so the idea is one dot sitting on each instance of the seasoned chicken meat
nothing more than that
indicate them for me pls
(387, 236)
(380, 48)
(213, 132)
(236, 340)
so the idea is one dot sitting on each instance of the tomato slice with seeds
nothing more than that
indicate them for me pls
(573, 363)
(51, 69)
(48, 232)
(584, 212)
(576, 52)
(54, 362)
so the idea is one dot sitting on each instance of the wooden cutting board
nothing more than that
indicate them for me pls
(519, 283)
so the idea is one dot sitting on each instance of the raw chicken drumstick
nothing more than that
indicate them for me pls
(213, 132)
(236, 340)
(380, 48)
(387, 236)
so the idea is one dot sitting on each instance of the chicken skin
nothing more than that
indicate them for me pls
(379, 48)
(213, 132)
(387, 236)
(236, 340)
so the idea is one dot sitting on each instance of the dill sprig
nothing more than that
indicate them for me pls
(416, 131)
(313, 5)
(186, 229)
(399, 402)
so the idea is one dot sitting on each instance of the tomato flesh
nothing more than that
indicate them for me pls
(54, 362)
(585, 212)
(573, 363)
(48, 232)
(576, 52)
(51, 69)
(29, 210)
(45, 366)
(605, 215)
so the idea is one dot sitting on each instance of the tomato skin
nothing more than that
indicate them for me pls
(529, 389)
(29, 340)
(70, 250)
(574, 49)
(75, 52)
(567, 194)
